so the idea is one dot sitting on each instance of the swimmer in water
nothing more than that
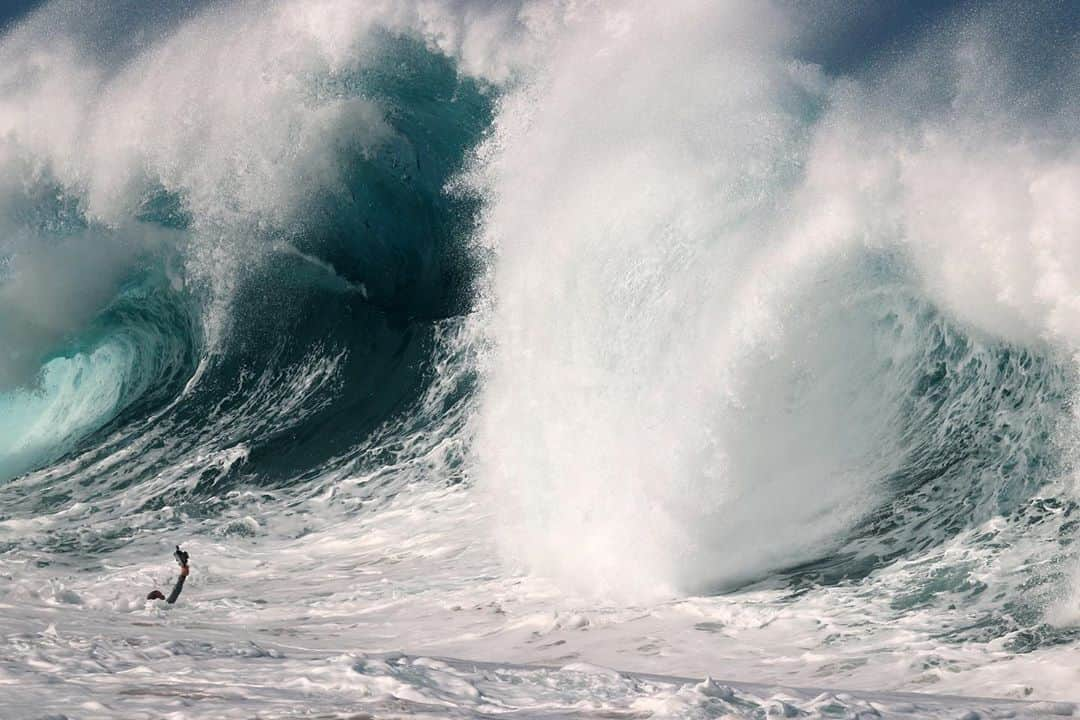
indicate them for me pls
(182, 561)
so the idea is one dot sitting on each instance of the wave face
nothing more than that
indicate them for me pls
(693, 305)
(264, 266)
(753, 316)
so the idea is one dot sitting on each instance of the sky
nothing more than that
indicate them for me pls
(11, 10)
(847, 34)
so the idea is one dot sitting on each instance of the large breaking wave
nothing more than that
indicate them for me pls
(685, 306)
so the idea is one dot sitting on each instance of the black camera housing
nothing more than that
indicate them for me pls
(181, 557)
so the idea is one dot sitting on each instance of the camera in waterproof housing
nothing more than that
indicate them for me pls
(181, 557)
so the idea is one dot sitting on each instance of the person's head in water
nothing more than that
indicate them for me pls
(181, 560)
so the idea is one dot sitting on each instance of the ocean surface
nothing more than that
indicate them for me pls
(540, 358)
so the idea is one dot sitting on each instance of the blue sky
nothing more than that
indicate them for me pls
(846, 34)
(12, 9)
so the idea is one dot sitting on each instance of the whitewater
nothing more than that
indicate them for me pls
(540, 358)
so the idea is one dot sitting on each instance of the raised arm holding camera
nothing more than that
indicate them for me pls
(181, 560)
